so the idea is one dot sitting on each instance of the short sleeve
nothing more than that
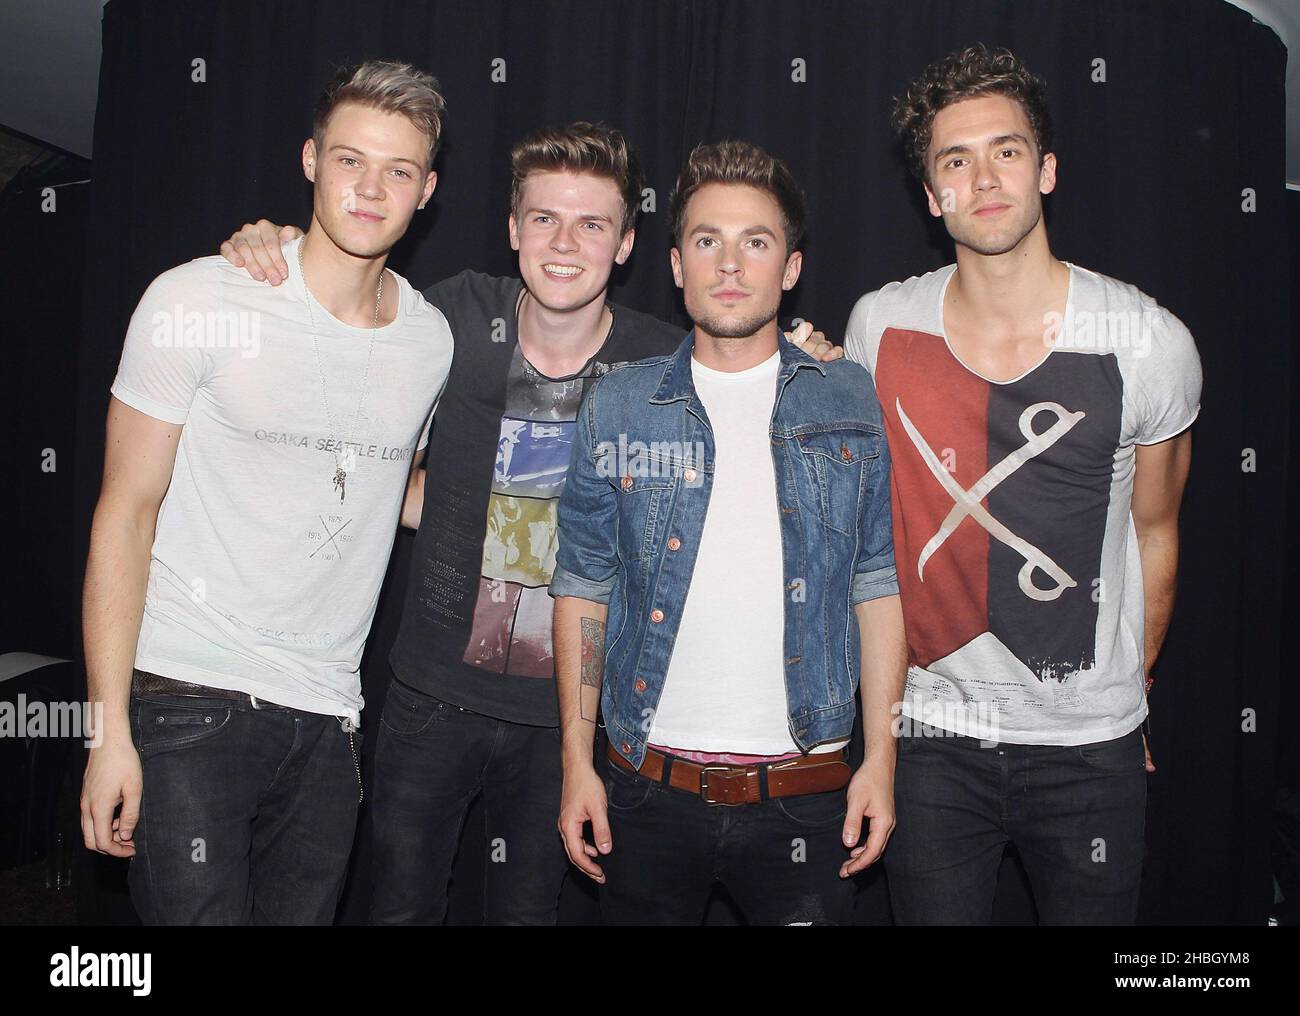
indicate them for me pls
(1168, 380)
(424, 434)
(428, 423)
(857, 346)
(164, 359)
(442, 324)
(447, 295)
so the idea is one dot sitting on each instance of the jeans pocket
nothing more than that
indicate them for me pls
(409, 712)
(815, 810)
(1121, 755)
(169, 724)
(623, 791)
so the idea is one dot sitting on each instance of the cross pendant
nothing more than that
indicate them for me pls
(340, 481)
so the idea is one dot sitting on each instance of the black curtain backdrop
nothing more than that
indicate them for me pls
(1155, 161)
(47, 205)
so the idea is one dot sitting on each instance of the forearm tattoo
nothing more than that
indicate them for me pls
(593, 667)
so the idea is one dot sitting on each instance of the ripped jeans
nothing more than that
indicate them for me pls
(779, 859)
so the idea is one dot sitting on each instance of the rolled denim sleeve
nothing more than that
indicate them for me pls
(874, 574)
(586, 562)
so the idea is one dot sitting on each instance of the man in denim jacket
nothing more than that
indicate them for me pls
(726, 520)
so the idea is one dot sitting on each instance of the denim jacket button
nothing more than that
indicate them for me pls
(627, 483)
(674, 543)
(625, 748)
(640, 684)
(656, 615)
(688, 475)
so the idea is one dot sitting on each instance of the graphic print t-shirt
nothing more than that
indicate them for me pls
(476, 625)
(1017, 558)
(264, 576)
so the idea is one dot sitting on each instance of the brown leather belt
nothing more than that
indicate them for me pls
(145, 683)
(743, 784)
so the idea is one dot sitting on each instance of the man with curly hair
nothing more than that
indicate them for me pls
(1037, 415)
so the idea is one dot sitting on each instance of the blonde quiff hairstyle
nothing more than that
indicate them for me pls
(389, 87)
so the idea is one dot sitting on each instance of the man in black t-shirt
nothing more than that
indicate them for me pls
(476, 630)
(473, 710)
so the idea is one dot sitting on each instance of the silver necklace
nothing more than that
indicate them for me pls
(341, 474)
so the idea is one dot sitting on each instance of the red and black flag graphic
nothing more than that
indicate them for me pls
(1000, 498)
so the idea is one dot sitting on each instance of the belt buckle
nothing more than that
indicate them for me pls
(704, 784)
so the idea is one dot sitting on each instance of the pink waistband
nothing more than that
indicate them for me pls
(722, 757)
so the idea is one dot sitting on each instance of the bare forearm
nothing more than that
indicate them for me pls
(1159, 554)
(579, 671)
(884, 671)
(117, 571)
(1159, 478)
(413, 505)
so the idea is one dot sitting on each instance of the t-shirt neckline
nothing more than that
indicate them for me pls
(943, 331)
(768, 366)
(587, 367)
(323, 317)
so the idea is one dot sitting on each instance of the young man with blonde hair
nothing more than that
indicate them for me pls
(258, 453)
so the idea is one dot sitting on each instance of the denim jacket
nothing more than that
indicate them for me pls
(633, 508)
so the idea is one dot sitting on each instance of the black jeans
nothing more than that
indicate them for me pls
(248, 813)
(1075, 814)
(432, 760)
(778, 859)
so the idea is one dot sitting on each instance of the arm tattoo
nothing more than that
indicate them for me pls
(593, 666)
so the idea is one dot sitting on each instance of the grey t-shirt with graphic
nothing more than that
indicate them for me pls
(265, 575)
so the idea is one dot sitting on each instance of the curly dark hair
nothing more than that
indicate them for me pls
(966, 74)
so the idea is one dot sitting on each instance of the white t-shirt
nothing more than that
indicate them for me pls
(1017, 558)
(725, 686)
(263, 579)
